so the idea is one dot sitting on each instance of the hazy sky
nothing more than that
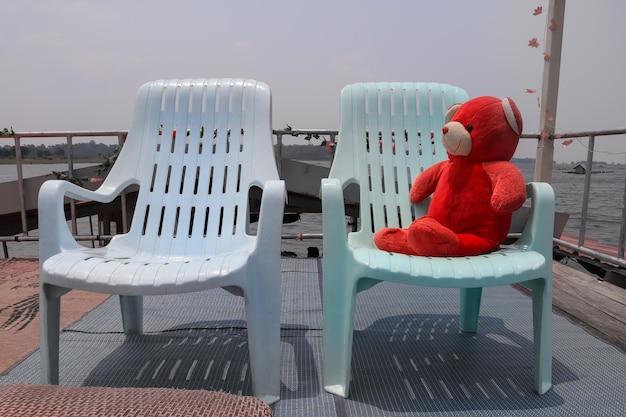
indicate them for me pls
(76, 65)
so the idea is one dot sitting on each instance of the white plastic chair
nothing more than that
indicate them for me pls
(195, 148)
(389, 133)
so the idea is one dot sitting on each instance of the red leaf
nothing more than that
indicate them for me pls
(538, 11)
(553, 24)
(530, 91)
(546, 56)
(567, 142)
(533, 43)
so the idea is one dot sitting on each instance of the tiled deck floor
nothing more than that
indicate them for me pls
(408, 357)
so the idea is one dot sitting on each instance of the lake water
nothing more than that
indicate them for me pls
(603, 214)
(9, 172)
(606, 199)
(603, 222)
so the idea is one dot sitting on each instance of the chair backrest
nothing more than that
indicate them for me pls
(389, 133)
(195, 148)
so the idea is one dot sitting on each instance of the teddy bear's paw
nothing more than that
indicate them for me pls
(393, 240)
(427, 237)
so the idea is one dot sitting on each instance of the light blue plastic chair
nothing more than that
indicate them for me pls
(389, 133)
(195, 149)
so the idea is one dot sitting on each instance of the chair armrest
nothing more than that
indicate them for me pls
(539, 228)
(335, 238)
(271, 211)
(54, 235)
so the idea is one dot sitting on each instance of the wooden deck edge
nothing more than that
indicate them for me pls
(597, 305)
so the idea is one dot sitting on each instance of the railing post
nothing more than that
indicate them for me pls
(622, 233)
(20, 185)
(333, 140)
(279, 152)
(583, 213)
(121, 138)
(70, 175)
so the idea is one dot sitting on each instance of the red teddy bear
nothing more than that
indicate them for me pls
(474, 192)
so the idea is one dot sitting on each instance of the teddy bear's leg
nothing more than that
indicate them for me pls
(470, 244)
(393, 240)
(428, 237)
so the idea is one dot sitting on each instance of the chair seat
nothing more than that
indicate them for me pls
(502, 267)
(140, 275)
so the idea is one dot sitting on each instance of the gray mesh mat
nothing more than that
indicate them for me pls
(409, 358)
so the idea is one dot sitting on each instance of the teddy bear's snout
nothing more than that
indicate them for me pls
(456, 139)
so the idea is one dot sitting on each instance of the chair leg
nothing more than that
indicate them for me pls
(338, 312)
(263, 319)
(470, 309)
(542, 334)
(49, 326)
(132, 313)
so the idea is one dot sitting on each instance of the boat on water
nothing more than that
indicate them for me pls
(581, 169)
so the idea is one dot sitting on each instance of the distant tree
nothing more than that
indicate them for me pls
(43, 153)
(59, 150)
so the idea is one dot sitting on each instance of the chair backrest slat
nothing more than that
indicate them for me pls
(389, 133)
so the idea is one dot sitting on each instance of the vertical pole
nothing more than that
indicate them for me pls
(549, 92)
(20, 185)
(279, 152)
(583, 213)
(120, 142)
(622, 233)
(70, 175)
(333, 139)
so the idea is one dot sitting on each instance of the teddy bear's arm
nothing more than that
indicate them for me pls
(509, 186)
(426, 182)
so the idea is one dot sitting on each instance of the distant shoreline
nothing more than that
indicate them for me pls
(96, 160)
(46, 161)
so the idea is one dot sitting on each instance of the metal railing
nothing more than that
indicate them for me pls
(308, 134)
(69, 137)
(591, 136)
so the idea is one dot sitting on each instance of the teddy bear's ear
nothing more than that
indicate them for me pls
(513, 115)
(451, 111)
